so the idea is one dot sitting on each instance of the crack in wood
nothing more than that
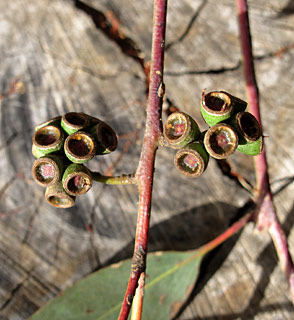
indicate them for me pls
(14, 291)
(127, 45)
(188, 28)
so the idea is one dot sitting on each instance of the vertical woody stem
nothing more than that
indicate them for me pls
(145, 170)
(266, 215)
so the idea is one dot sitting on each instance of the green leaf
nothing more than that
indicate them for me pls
(170, 277)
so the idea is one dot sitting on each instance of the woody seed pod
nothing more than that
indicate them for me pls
(46, 140)
(57, 197)
(180, 129)
(220, 141)
(80, 147)
(105, 138)
(218, 106)
(192, 160)
(77, 179)
(73, 121)
(47, 170)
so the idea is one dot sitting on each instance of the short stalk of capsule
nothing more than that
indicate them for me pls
(57, 196)
(180, 129)
(46, 140)
(47, 170)
(74, 121)
(80, 147)
(52, 122)
(220, 141)
(105, 137)
(192, 160)
(218, 106)
(77, 179)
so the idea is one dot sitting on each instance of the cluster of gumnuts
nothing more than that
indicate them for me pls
(62, 145)
(231, 128)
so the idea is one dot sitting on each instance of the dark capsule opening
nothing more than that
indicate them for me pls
(79, 147)
(217, 101)
(47, 136)
(75, 119)
(249, 126)
(107, 137)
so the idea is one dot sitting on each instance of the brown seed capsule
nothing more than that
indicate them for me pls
(221, 141)
(80, 147)
(192, 160)
(180, 129)
(105, 137)
(57, 197)
(47, 170)
(77, 179)
(247, 126)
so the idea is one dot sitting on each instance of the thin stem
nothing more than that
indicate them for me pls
(266, 215)
(123, 179)
(138, 299)
(145, 170)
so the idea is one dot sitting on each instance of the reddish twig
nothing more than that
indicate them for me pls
(145, 170)
(266, 216)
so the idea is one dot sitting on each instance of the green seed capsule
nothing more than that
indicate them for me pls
(247, 127)
(57, 197)
(46, 140)
(105, 138)
(77, 179)
(73, 121)
(192, 160)
(218, 106)
(80, 147)
(47, 170)
(180, 129)
(220, 141)
(249, 133)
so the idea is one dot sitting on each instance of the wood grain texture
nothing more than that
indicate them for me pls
(60, 61)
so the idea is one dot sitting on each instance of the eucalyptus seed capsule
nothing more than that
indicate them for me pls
(73, 121)
(105, 138)
(218, 106)
(249, 132)
(180, 129)
(220, 141)
(80, 147)
(77, 179)
(57, 197)
(46, 140)
(192, 160)
(47, 170)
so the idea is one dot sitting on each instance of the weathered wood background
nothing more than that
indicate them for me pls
(54, 58)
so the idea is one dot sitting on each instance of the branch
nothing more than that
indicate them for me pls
(145, 170)
(266, 216)
(123, 179)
